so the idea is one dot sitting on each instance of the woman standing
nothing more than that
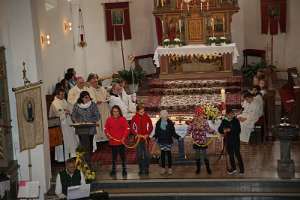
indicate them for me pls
(86, 111)
(117, 129)
(100, 97)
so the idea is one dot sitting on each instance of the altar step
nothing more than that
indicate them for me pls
(192, 189)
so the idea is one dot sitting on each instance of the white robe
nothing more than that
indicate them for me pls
(71, 142)
(116, 100)
(127, 99)
(252, 112)
(74, 94)
(100, 95)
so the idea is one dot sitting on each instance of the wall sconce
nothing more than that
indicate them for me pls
(68, 26)
(45, 39)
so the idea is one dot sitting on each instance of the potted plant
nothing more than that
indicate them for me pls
(223, 40)
(212, 41)
(166, 43)
(133, 78)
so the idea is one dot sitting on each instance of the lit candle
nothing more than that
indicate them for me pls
(223, 95)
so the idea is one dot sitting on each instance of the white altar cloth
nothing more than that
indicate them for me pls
(199, 49)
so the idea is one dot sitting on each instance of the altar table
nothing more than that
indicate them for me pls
(228, 56)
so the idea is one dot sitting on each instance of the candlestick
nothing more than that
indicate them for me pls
(223, 95)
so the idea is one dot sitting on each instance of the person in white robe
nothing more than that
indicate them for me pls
(249, 116)
(258, 100)
(115, 99)
(74, 93)
(62, 109)
(128, 101)
(101, 97)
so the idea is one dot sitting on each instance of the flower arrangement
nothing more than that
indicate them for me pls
(177, 42)
(166, 42)
(212, 40)
(211, 112)
(223, 40)
(83, 166)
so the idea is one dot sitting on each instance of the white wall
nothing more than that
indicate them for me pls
(99, 56)
(17, 35)
(286, 53)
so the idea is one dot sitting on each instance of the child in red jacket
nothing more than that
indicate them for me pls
(141, 125)
(117, 129)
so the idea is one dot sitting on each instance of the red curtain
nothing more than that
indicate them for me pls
(159, 30)
(114, 32)
(271, 24)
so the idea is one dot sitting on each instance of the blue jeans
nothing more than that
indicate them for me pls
(143, 156)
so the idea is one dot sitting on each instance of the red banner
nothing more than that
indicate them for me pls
(273, 16)
(117, 21)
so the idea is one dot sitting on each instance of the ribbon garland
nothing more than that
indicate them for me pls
(208, 143)
(139, 137)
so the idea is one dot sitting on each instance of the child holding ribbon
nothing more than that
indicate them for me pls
(199, 128)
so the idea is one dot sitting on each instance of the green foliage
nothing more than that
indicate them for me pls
(250, 70)
(138, 75)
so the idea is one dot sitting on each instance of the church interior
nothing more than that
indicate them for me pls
(149, 99)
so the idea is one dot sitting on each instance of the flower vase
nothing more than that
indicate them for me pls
(213, 44)
(223, 43)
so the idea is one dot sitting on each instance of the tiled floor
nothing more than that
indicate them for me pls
(260, 163)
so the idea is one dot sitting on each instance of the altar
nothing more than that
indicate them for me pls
(196, 60)
(195, 38)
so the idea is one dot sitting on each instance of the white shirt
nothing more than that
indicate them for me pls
(58, 187)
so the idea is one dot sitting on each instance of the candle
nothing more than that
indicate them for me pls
(201, 5)
(207, 5)
(179, 22)
(162, 26)
(224, 24)
(181, 6)
(162, 3)
(212, 24)
(223, 95)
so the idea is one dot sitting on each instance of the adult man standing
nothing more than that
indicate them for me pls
(74, 93)
(62, 109)
(115, 99)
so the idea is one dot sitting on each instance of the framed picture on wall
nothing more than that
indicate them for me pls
(117, 17)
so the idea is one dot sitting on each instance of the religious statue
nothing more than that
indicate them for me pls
(173, 29)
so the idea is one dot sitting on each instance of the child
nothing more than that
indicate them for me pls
(198, 129)
(231, 129)
(117, 129)
(164, 133)
(141, 125)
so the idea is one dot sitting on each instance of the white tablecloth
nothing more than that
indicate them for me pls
(4, 186)
(196, 50)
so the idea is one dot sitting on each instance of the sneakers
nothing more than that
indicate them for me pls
(170, 171)
(230, 172)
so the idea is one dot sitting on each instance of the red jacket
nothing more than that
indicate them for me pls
(116, 129)
(141, 125)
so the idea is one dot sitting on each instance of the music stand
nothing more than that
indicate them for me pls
(83, 132)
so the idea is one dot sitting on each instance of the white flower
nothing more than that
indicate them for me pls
(177, 40)
(223, 38)
(212, 38)
(166, 40)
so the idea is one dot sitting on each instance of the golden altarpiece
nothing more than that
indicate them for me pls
(194, 22)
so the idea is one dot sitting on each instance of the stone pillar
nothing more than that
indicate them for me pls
(286, 166)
